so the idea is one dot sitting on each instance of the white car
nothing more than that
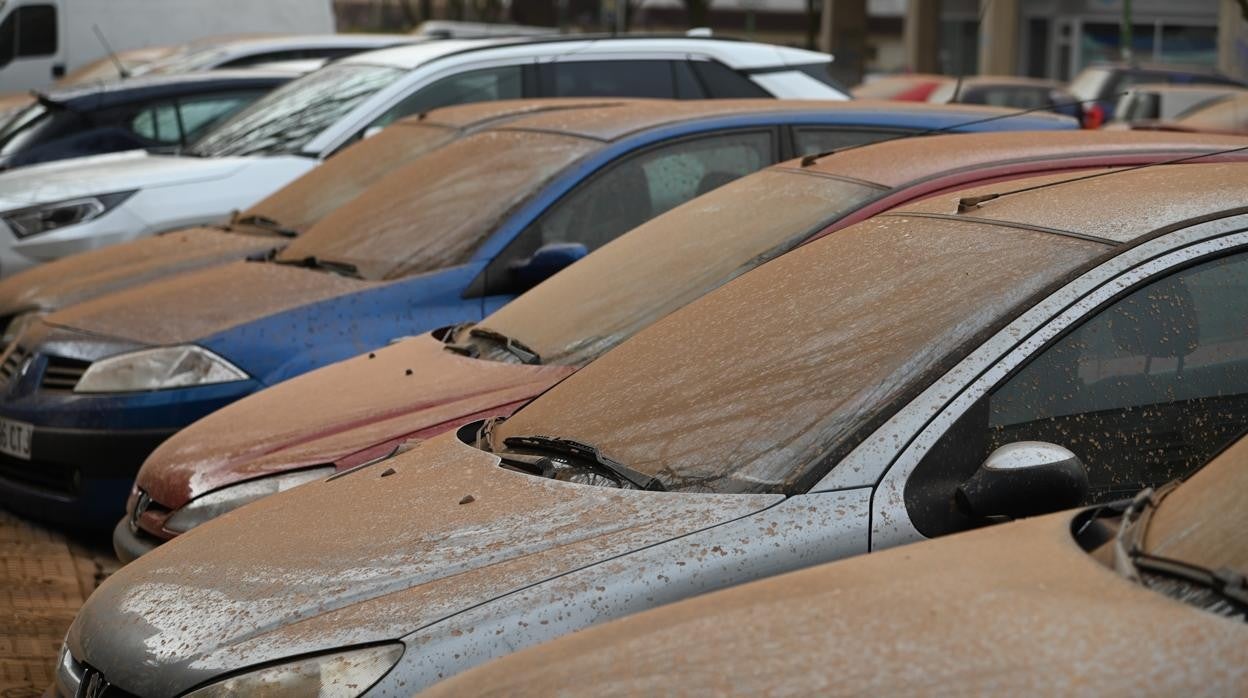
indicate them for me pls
(250, 51)
(48, 212)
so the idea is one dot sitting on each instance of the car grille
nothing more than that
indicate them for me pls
(45, 475)
(12, 363)
(62, 374)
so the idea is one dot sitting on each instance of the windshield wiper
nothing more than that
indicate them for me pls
(587, 455)
(267, 224)
(514, 347)
(311, 262)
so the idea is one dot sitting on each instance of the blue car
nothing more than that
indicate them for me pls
(89, 391)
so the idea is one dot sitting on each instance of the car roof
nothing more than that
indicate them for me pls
(1007, 80)
(731, 52)
(477, 113)
(1114, 208)
(905, 160)
(100, 95)
(630, 117)
(309, 40)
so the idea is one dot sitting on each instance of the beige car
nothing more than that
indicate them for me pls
(1145, 598)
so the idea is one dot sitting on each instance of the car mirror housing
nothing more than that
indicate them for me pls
(547, 261)
(1024, 478)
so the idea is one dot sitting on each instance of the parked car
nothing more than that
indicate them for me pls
(291, 130)
(259, 230)
(832, 401)
(428, 245)
(1105, 83)
(158, 113)
(102, 70)
(43, 40)
(271, 440)
(909, 87)
(1226, 115)
(1147, 103)
(1089, 602)
(1016, 93)
(246, 51)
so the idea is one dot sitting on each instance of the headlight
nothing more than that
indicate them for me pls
(18, 325)
(344, 674)
(157, 369)
(214, 504)
(34, 220)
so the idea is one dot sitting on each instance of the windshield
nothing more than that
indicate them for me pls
(285, 120)
(1089, 83)
(1228, 114)
(434, 212)
(763, 384)
(610, 295)
(302, 203)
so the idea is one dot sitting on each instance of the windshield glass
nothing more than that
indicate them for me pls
(1228, 114)
(302, 203)
(671, 260)
(1089, 83)
(763, 384)
(433, 213)
(285, 120)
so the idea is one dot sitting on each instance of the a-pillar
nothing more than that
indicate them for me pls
(843, 33)
(922, 36)
(998, 37)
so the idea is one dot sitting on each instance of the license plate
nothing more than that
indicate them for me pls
(15, 438)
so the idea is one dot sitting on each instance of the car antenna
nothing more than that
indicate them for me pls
(970, 203)
(811, 159)
(121, 67)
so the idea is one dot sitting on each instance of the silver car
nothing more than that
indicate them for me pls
(977, 356)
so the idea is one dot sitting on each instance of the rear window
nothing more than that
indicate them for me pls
(761, 385)
(689, 250)
(435, 212)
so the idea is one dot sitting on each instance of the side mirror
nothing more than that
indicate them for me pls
(545, 263)
(1024, 479)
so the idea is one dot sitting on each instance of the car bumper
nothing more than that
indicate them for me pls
(129, 545)
(78, 478)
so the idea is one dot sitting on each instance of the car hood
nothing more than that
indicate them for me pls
(222, 297)
(413, 388)
(91, 274)
(102, 174)
(1018, 609)
(371, 555)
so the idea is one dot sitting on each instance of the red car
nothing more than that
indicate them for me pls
(365, 408)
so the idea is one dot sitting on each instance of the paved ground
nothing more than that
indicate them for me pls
(44, 578)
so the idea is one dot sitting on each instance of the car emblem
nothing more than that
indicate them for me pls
(140, 506)
(95, 687)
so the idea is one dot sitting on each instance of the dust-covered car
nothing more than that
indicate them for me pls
(261, 229)
(841, 398)
(1146, 597)
(358, 410)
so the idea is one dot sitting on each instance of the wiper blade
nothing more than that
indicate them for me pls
(514, 347)
(267, 224)
(1225, 582)
(311, 262)
(588, 455)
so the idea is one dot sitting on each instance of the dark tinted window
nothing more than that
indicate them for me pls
(823, 73)
(8, 38)
(722, 82)
(608, 79)
(36, 30)
(474, 86)
(687, 86)
(1144, 392)
(823, 140)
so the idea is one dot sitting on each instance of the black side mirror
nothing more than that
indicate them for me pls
(545, 263)
(1024, 479)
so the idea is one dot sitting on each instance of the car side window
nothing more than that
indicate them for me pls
(722, 82)
(823, 139)
(485, 85)
(200, 113)
(36, 30)
(159, 123)
(623, 78)
(1144, 391)
(633, 190)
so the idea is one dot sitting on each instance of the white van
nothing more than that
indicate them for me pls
(42, 40)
